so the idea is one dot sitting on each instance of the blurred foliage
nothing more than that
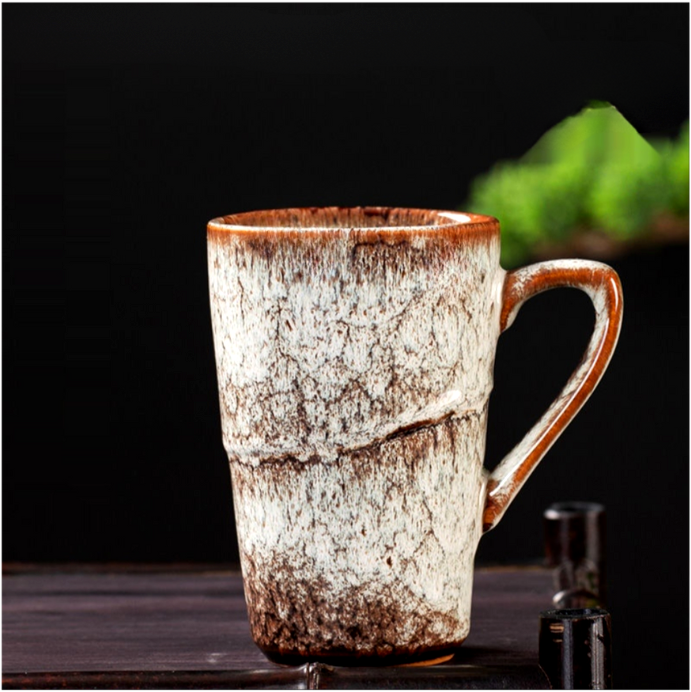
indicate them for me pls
(593, 171)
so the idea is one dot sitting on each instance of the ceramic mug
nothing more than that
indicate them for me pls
(354, 351)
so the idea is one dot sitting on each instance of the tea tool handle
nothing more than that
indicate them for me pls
(602, 285)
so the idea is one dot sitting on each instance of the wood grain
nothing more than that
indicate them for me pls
(190, 630)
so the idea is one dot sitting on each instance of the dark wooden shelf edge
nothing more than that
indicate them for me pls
(310, 676)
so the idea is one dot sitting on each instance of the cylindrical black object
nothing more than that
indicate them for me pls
(575, 549)
(576, 648)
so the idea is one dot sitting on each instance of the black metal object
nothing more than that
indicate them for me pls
(576, 648)
(575, 550)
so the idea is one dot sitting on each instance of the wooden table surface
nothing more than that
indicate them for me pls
(148, 628)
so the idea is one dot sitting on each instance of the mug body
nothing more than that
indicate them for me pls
(355, 350)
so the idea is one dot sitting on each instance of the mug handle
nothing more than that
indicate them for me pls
(602, 285)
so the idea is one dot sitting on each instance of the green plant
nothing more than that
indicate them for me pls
(591, 171)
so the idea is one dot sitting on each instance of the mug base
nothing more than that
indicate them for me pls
(399, 659)
(430, 662)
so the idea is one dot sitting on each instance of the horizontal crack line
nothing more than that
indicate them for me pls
(400, 432)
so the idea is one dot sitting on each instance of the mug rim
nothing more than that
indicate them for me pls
(445, 220)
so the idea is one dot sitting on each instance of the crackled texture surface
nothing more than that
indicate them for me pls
(326, 342)
(354, 369)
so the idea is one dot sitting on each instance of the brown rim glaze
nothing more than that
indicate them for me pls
(310, 221)
(602, 284)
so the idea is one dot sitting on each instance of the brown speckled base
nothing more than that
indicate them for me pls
(428, 657)
(363, 554)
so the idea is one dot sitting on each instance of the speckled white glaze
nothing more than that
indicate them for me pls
(354, 352)
(323, 355)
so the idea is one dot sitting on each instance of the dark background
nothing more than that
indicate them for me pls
(127, 127)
